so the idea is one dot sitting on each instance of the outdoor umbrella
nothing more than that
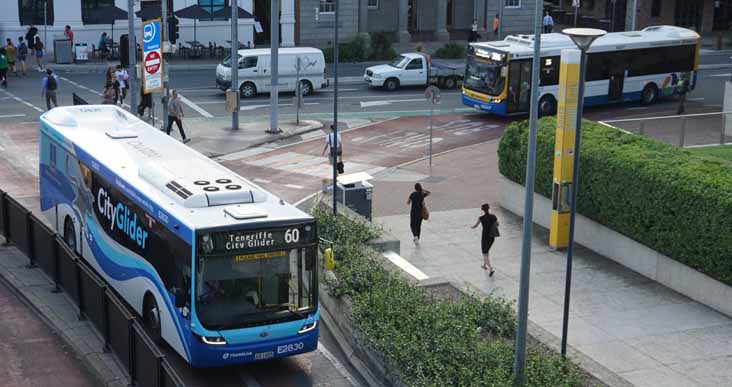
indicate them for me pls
(107, 15)
(225, 13)
(194, 12)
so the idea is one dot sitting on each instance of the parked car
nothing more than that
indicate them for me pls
(255, 70)
(412, 69)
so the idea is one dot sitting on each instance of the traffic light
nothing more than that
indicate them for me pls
(173, 30)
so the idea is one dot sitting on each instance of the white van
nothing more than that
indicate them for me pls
(255, 75)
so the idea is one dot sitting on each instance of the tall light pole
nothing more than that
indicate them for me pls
(633, 15)
(131, 52)
(234, 62)
(164, 35)
(334, 145)
(576, 5)
(519, 365)
(274, 95)
(582, 38)
(500, 19)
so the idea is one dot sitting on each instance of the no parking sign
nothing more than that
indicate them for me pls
(152, 56)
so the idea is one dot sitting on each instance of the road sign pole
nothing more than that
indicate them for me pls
(234, 62)
(432, 111)
(275, 71)
(334, 146)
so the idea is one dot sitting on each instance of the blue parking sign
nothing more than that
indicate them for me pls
(151, 35)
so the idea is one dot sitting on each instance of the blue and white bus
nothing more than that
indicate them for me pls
(621, 66)
(220, 269)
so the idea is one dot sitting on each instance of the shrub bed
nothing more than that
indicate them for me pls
(451, 51)
(669, 199)
(431, 342)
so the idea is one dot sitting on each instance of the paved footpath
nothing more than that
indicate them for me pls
(30, 355)
(643, 332)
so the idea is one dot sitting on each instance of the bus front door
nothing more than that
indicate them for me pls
(617, 80)
(519, 86)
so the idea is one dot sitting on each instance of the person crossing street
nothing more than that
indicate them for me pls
(175, 114)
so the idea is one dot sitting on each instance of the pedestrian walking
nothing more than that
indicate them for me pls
(175, 114)
(488, 236)
(496, 25)
(146, 102)
(548, 23)
(682, 87)
(109, 95)
(12, 54)
(122, 77)
(3, 68)
(49, 87)
(22, 55)
(418, 211)
(474, 31)
(30, 36)
(334, 147)
(39, 52)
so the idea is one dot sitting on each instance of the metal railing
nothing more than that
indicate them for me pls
(113, 319)
(700, 129)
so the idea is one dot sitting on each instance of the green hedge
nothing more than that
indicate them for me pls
(451, 51)
(431, 342)
(669, 199)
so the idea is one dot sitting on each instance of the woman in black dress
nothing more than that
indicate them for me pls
(416, 200)
(487, 238)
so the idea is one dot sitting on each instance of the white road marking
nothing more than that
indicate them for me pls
(638, 108)
(248, 379)
(12, 115)
(254, 107)
(405, 265)
(80, 86)
(727, 75)
(336, 364)
(695, 99)
(263, 181)
(331, 91)
(388, 102)
(195, 107)
(294, 186)
(24, 102)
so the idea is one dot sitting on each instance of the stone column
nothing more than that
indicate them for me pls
(441, 33)
(287, 21)
(403, 28)
(363, 16)
(479, 16)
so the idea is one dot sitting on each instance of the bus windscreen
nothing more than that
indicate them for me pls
(485, 76)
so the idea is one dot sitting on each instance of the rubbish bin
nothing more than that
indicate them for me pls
(62, 50)
(124, 47)
(355, 192)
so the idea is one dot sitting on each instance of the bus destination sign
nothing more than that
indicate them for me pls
(252, 240)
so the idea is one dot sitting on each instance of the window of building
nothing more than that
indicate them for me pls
(327, 6)
(656, 8)
(512, 3)
(212, 5)
(34, 12)
(373, 3)
(89, 13)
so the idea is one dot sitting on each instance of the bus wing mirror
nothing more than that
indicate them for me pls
(180, 298)
(504, 71)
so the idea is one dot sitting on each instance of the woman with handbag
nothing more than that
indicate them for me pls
(490, 232)
(418, 212)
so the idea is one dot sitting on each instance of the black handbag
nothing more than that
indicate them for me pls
(339, 167)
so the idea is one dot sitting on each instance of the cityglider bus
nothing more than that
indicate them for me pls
(220, 269)
(621, 66)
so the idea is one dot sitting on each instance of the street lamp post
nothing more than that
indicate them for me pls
(582, 38)
(334, 145)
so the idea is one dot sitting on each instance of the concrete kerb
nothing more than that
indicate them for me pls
(79, 345)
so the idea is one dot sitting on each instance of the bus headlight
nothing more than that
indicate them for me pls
(212, 340)
(308, 327)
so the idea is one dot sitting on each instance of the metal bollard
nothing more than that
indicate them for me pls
(683, 132)
(642, 128)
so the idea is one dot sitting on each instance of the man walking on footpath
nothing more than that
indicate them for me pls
(22, 56)
(175, 114)
(49, 85)
(335, 147)
(548, 23)
(122, 77)
(682, 87)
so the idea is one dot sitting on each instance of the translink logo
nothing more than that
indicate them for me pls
(122, 218)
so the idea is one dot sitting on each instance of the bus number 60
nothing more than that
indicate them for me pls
(292, 235)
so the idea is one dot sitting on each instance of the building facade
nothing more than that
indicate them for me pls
(410, 20)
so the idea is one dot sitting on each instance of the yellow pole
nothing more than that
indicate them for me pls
(564, 147)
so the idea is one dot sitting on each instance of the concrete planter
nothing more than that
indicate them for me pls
(626, 251)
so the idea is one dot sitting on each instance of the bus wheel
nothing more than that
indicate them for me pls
(151, 317)
(70, 234)
(649, 94)
(306, 88)
(248, 90)
(391, 84)
(547, 106)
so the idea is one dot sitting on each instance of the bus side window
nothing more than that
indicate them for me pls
(86, 175)
(550, 71)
